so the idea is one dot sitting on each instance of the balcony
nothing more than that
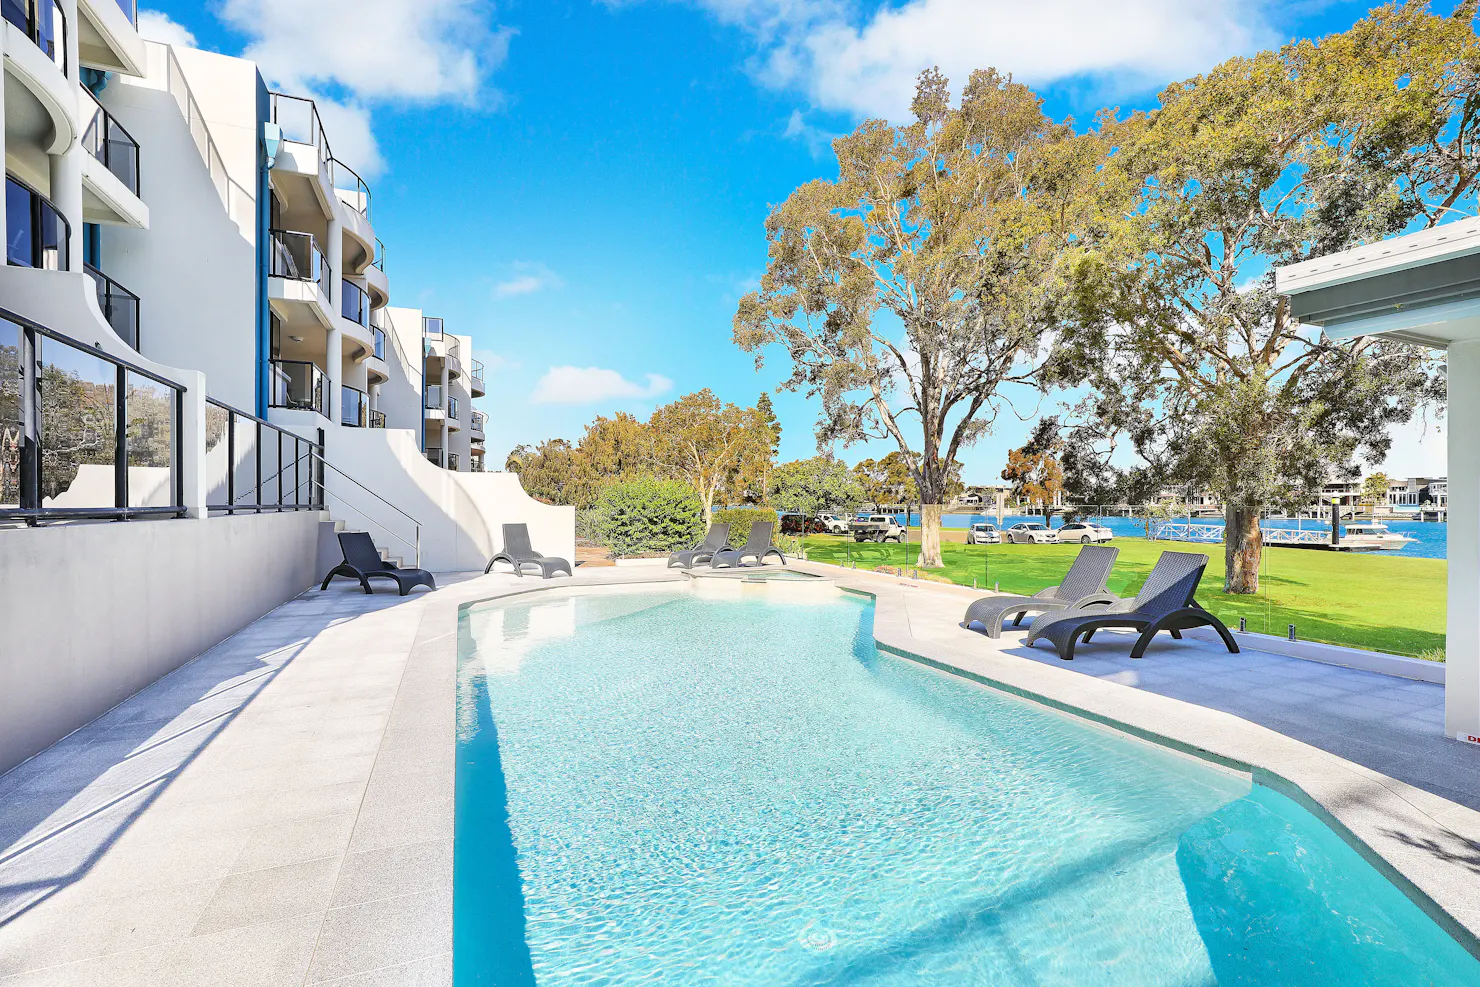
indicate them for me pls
(475, 425)
(452, 461)
(36, 234)
(435, 456)
(297, 257)
(106, 140)
(452, 408)
(120, 306)
(475, 380)
(354, 407)
(354, 305)
(299, 385)
(349, 187)
(43, 22)
(377, 419)
(432, 398)
(379, 343)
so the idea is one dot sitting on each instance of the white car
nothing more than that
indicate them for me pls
(983, 534)
(1085, 533)
(833, 524)
(1031, 533)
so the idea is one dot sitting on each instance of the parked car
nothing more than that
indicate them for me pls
(832, 524)
(876, 527)
(982, 533)
(1084, 532)
(1031, 533)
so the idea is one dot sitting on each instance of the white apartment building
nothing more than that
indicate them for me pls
(196, 337)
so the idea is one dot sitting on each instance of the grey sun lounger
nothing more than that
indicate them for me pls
(518, 552)
(362, 561)
(1165, 603)
(716, 540)
(1083, 587)
(758, 546)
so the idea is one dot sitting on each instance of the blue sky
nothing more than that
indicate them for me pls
(581, 185)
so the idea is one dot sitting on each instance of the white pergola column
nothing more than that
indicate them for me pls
(1462, 664)
(66, 168)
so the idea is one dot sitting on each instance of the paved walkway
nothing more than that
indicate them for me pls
(279, 811)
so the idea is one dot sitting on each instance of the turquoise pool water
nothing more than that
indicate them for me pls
(659, 788)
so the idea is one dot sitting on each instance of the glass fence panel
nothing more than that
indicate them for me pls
(79, 427)
(11, 426)
(18, 233)
(151, 441)
(353, 406)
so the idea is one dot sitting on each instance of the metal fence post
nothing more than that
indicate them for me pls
(257, 477)
(120, 442)
(230, 462)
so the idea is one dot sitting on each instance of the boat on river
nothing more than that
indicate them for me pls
(1356, 537)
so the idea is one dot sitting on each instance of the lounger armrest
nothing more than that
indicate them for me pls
(1096, 600)
(1046, 594)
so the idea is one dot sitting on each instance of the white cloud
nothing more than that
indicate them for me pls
(525, 279)
(590, 385)
(350, 135)
(862, 59)
(494, 361)
(815, 138)
(154, 26)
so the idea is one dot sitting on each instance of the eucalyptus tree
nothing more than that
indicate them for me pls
(1264, 161)
(952, 225)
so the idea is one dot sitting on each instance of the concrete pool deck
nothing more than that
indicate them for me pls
(279, 811)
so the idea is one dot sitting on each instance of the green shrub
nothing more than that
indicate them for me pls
(648, 517)
(741, 518)
(586, 525)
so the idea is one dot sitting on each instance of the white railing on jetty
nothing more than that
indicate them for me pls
(1212, 534)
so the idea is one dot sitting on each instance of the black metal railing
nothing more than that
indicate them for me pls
(85, 434)
(36, 234)
(298, 119)
(106, 140)
(477, 372)
(451, 406)
(379, 260)
(432, 397)
(120, 306)
(43, 22)
(266, 468)
(379, 343)
(299, 385)
(346, 179)
(354, 406)
(377, 418)
(298, 256)
(354, 303)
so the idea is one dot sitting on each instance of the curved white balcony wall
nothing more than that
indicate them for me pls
(461, 513)
(307, 296)
(378, 285)
(358, 229)
(67, 302)
(107, 200)
(43, 79)
(107, 39)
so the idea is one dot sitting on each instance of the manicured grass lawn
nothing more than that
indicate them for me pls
(1380, 602)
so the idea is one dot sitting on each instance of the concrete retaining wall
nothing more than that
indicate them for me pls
(92, 613)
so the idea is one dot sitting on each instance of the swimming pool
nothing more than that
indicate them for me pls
(660, 788)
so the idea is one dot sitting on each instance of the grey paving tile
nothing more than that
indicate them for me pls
(290, 841)
(394, 871)
(419, 822)
(134, 968)
(274, 954)
(270, 895)
(378, 934)
(431, 971)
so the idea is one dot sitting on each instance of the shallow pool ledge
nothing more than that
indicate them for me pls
(1426, 845)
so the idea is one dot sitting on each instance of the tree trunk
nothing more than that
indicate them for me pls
(929, 537)
(1243, 544)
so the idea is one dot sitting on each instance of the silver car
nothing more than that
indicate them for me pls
(1031, 533)
(982, 533)
(1084, 532)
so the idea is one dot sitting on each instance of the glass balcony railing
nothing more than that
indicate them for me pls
(379, 343)
(349, 187)
(477, 374)
(299, 385)
(433, 397)
(106, 140)
(36, 234)
(120, 306)
(130, 9)
(379, 260)
(354, 303)
(354, 407)
(435, 456)
(477, 420)
(297, 256)
(452, 461)
(377, 419)
(431, 327)
(451, 407)
(43, 22)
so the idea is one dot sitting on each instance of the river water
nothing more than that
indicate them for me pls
(1429, 536)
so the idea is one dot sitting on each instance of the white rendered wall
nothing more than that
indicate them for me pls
(461, 513)
(194, 270)
(400, 397)
(1462, 663)
(88, 624)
